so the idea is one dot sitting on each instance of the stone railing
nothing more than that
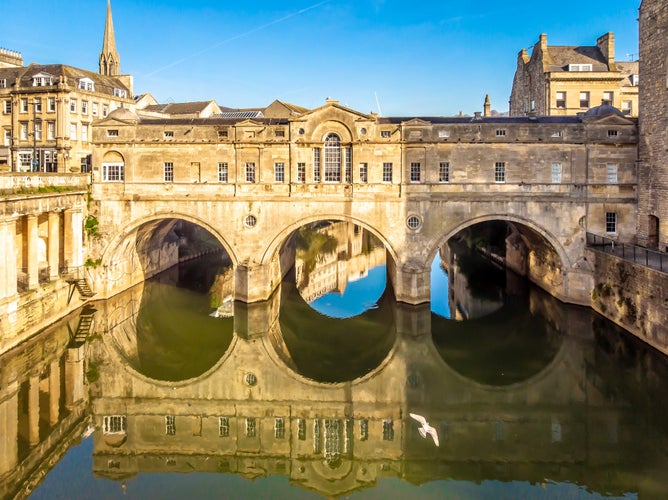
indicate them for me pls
(40, 182)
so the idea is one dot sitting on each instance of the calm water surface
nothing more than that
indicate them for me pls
(181, 394)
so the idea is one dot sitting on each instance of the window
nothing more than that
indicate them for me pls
(301, 429)
(105, 110)
(222, 134)
(51, 131)
(95, 107)
(3, 83)
(51, 104)
(250, 221)
(415, 172)
(500, 172)
(611, 174)
(332, 158)
(627, 107)
(443, 134)
(8, 137)
(86, 163)
(280, 133)
(87, 84)
(388, 430)
(38, 130)
(279, 172)
(37, 105)
(168, 134)
(611, 222)
(168, 171)
(608, 98)
(387, 172)
(115, 424)
(348, 164)
(385, 134)
(73, 131)
(120, 93)
(556, 173)
(7, 107)
(301, 172)
(84, 107)
(250, 172)
(413, 222)
(580, 67)
(25, 161)
(251, 428)
(364, 429)
(73, 105)
(222, 172)
(84, 132)
(113, 172)
(444, 171)
(24, 131)
(364, 172)
(170, 425)
(316, 164)
(558, 133)
(584, 99)
(112, 132)
(41, 80)
(24, 105)
(51, 161)
(279, 428)
(561, 100)
(223, 426)
(635, 80)
(612, 133)
(500, 132)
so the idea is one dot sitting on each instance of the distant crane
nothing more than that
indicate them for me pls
(380, 113)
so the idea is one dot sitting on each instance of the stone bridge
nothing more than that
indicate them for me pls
(413, 183)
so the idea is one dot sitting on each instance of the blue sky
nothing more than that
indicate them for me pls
(372, 55)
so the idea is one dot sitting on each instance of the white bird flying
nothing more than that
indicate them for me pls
(426, 428)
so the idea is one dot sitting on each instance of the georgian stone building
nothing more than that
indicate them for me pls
(47, 109)
(566, 80)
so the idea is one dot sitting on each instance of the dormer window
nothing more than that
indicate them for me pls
(169, 134)
(3, 83)
(121, 93)
(87, 84)
(580, 67)
(42, 80)
(635, 80)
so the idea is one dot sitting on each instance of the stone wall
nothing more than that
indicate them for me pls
(632, 296)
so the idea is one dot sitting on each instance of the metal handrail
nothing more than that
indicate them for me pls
(642, 256)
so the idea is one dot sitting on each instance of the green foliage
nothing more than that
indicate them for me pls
(92, 263)
(91, 226)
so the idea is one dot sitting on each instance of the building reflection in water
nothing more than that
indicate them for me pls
(569, 401)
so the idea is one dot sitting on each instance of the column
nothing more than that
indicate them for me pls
(54, 392)
(53, 249)
(73, 238)
(74, 375)
(411, 283)
(8, 257)
(9, 431)
(256, 282)
(30, 249)
(33, 410)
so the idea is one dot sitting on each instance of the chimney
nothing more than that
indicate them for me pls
(10, 59)
(487, 108)
(606, 44)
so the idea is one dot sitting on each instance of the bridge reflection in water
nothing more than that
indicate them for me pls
(543, 398)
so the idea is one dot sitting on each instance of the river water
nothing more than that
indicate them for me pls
(170, 390)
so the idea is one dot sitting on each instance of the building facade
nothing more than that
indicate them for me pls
(567, 80)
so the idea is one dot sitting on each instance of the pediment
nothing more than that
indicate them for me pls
(612, 119)
(416, 122)
(250, 123)
(334, 108)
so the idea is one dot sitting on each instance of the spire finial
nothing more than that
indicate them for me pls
(110, 61)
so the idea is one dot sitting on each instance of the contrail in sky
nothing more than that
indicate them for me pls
(240, 35)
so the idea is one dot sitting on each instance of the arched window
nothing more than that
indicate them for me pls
(332, 158)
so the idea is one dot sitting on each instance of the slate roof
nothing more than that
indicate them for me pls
(178, 108)
(562, 56)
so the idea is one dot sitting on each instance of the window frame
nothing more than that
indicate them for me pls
(250, 172)
(223, 172)
(415, 171)
(500, 172)
(611, 222)
(388, 173)
(444, 172)
(279, 172)
(168, 171)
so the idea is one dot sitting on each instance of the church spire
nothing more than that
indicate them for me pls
(110, 62)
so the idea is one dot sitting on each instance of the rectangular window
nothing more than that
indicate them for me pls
(84, 107)
(301, 172)
(112, 132)
(168, 134)
(316, 164)
(364, 429)
(500, 172)
(635, 80)
(611, 222)
(364, 172)
(168, 171)
(580, 67)
(251, 428)
(627, 107)
(280, 133)
(113, 172)
(561, 100)
(385, 134)
(223, 174)
(24, 131)
(7, 107)
(24, 105)
(37, 105)
(94, 111)
(279, 428)
(556, 173)
(73, 131)
(84, 132)
(3, 83)
(51, 131)
(584, 100)
(8, 137)
(73, 105)
(388, 430)
(170, 425)
(348, 165)
(301, 429)
(25, 161)
(105, 110)
(608, 98)
(444, 171)
(250, 172)
(415, 172)
(222, 134)
(120, 93)
(115, 424)
(279, 172)
(51, 105)
(500, 132)
(38, 130)
(611, 174)
(387, 172)
(613, 133)
(223, 426)
(443, 134)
